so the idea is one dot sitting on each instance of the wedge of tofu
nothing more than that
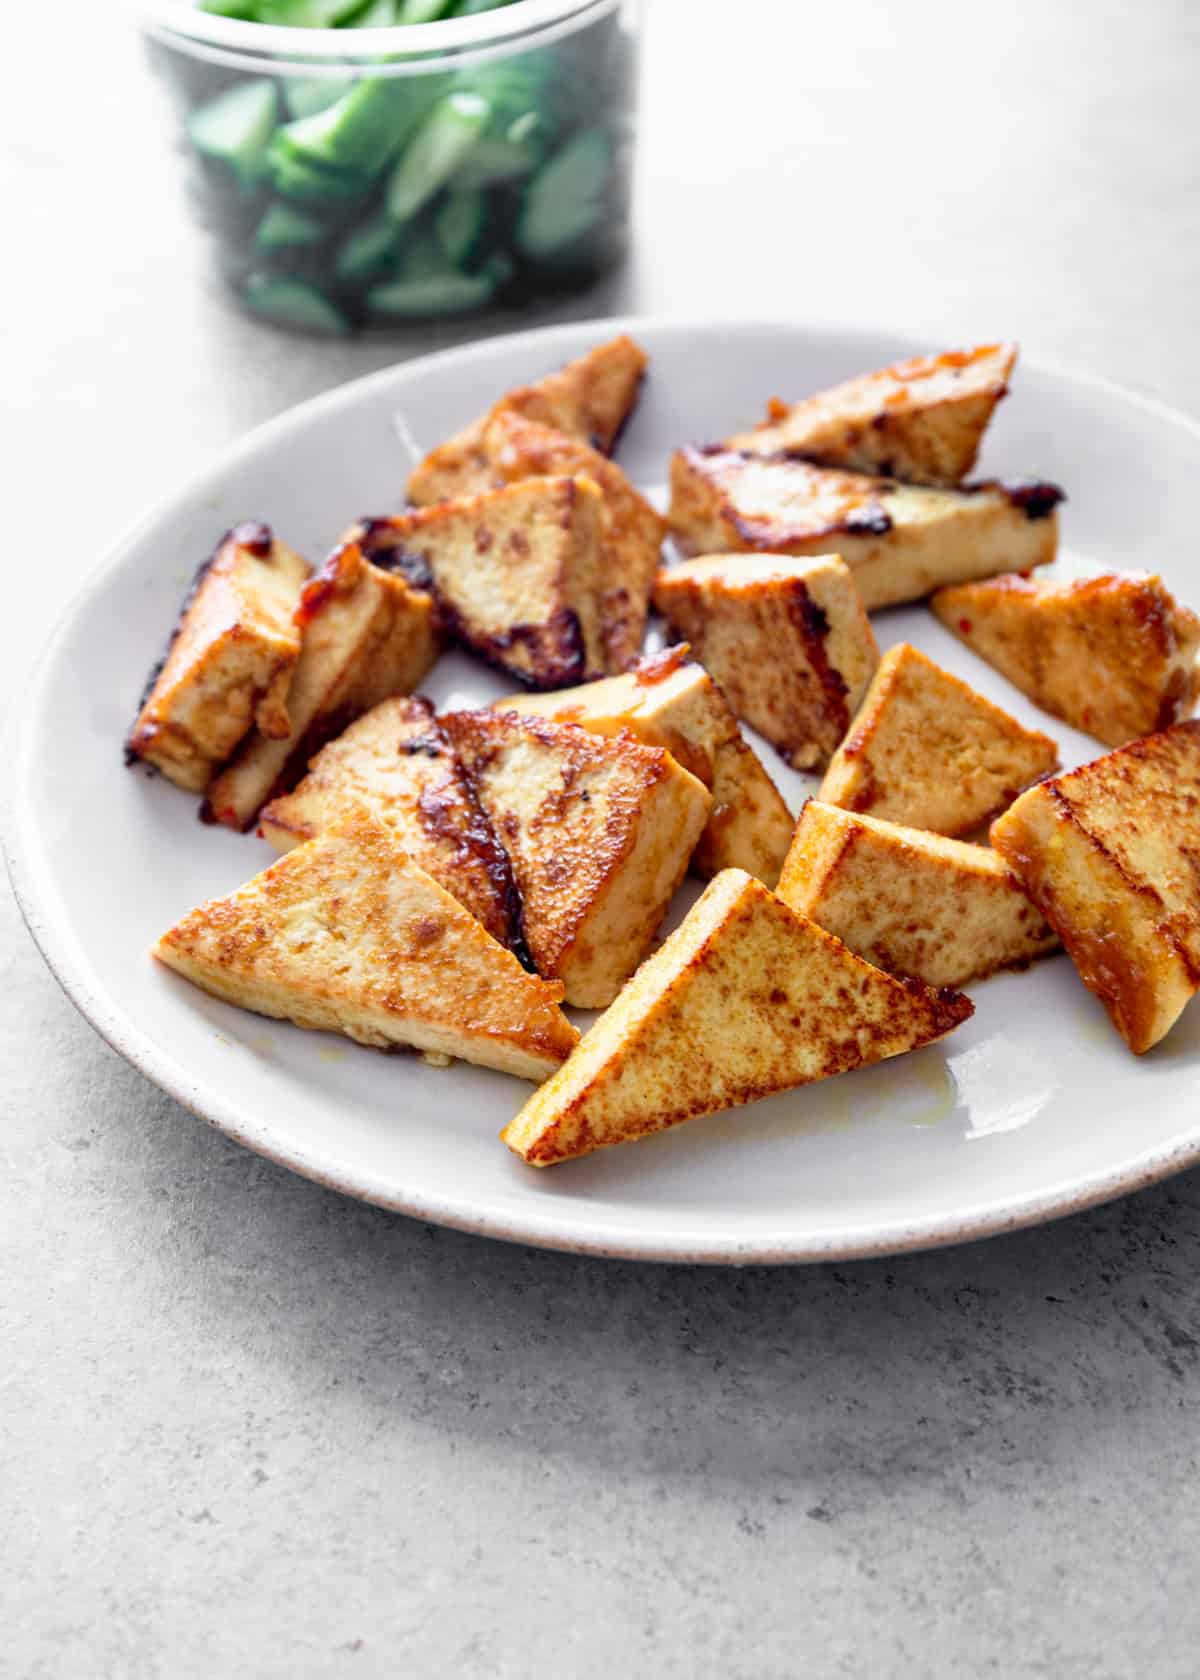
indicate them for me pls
(366, 634)
(396, 763)
(599, 833)
(633, 531)
(921, 420)
(744, 999)
(1108, 853)
(229, 663)
(346, 934)
(899, 540)
(590, 399)
(788, 641)
(1114, 655)
(926, 750)
(670, 701)
(909, 901)
(518, 573)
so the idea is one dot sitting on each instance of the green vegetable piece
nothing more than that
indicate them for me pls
(283, 227)
(469, 8)
(360, 132)
(379, 14)
(304, 96)
(244, 9)
(366, 250)
(421, 11)
(235, 128)
(460, 226)
(437, 149)
(440, 294)
(308, 182)
(292, 303)
(566, 199)
(493, 162)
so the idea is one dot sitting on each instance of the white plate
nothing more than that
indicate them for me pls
(1035, 1108)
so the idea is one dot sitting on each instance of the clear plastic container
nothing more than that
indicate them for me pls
(367, 178)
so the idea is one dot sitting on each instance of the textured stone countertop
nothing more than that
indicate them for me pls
(250, 1428)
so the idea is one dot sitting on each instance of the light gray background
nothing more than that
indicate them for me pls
(251, 1428)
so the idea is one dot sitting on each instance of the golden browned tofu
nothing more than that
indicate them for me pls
(744, 999)
(633, 531)
(1113, 655)
(670, 701)
(1108, 853)
(518, 573)
(899, 540)
(396, 763)
(787, 640)
(590, 399)
(921, 420)
(229, 663)
(926, 750)
(599, 833)
(909, 901)
(347, 934)
(366, 635)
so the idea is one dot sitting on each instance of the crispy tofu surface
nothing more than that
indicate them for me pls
(599, 832)
(787, 639)
(366, 634)
(229, 663)
(670, 701)
(926, 750)
(920, 420)
(590, 399)
(518, 573)
(909, 901)
(744, 999)
(348, 935)
(633, 531)
(1108, 853)
(900, 541)
(396, 763)
(1113, 655)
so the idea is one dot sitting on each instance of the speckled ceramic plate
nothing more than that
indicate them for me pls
(1033, 1109)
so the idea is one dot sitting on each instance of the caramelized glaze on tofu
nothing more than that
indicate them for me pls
(921, 420)
(348, 935)
(1108, 853)
(589, 399)
(518, 573)
(670, 701)
(909, 901)
(744, 999)
(899, 540)
(366, 635)
(229, 663)
(599, 832)
(1113, 655)
(787, 640)
(633, 531)
(926, 750)
(396, 763)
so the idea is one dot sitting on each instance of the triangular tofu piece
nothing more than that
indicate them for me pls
(1108, 853)
(921, 420)
(787, 640)
(397, 764)
(518, 573)
(899, 540)
(366, 635)
(670, 701)
(599, 833)
(926, 750)
(1113, 655)
(744, 999)
(348, 935)
(909, 901)
(589, 399)
(633, 531)
(229, 661)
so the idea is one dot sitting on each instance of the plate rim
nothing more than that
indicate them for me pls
(582, 1234)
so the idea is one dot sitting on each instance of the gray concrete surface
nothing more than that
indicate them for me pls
(248, 1428)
